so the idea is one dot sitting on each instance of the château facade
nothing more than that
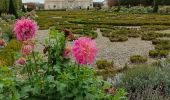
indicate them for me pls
(68, 4)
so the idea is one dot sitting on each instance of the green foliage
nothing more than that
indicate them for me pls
(158, 53)
(153, 53)
(164, 53)
(106, 32)
(104, 64)
(12, 8)
(5, 5)
(8, 81)
(147, 82)
(149, 36)
(8, 17)
(57, 78)
(85, 32)
(7, 55)
(138, 59)
(119, 36)
(14, 45)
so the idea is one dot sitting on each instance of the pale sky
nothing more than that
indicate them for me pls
(42, 1)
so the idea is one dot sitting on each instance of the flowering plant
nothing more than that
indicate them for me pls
(53, 75)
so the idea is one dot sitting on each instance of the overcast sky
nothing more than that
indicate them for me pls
(42, 1)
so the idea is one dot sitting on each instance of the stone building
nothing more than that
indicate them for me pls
(68, 4)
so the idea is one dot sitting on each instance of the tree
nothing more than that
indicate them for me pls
(4, 6)
(18, 4)
(12, 8)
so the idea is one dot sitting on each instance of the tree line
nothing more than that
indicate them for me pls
(154, 3)
(10, 6)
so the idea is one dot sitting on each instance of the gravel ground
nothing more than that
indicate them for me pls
(119, 52)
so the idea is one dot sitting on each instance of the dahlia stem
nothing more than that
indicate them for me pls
(28, 72)
(36, 66)
(30, 69)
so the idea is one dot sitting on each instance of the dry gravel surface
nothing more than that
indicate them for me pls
(119, 52)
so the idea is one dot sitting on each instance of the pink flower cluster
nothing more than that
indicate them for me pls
(84, 50)
(25, 29)
(27, 49)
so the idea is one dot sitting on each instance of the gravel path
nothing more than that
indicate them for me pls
(119, 52)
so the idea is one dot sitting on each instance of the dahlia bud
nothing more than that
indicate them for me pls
(21, 61)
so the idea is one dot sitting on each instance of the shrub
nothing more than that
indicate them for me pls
(8, 17)
(88, 33)
(106, 32)
(153, 53)
(134, 33)
(14, 45)
(104, 64)
(7, 55)
(163, 46)
(158, 53)
(138, 59)
(149, 36)
(118, 36)
(159, 41)
(147, 82)
(163, 53)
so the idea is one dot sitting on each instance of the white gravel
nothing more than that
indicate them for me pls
(119, 52)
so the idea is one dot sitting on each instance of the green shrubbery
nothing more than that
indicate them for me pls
(138, 59)
(7, 54)
(118, 36)
(158, 53)
(54, 77)
(106, 32)
(88, 33)
(104, 64)
(149, 36)
(147, 82)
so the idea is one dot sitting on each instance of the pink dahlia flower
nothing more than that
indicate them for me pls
(84, 50)
(25, 29)
(21, 61)
(27, 49)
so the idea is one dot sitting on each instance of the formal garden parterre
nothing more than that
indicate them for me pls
(67, 66)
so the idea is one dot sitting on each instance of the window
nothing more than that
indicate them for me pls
(54, 6)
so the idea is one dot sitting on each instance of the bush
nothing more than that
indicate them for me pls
(163, 53)
(104, 64)
(163, 46)
(147, 82)
(106, 32)
(159, 41)
(149, 36)
(8, 17)
(118, 35)
(153, 53)
(88, 33)
(138, 59)
(158, 53)
(7, 55)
